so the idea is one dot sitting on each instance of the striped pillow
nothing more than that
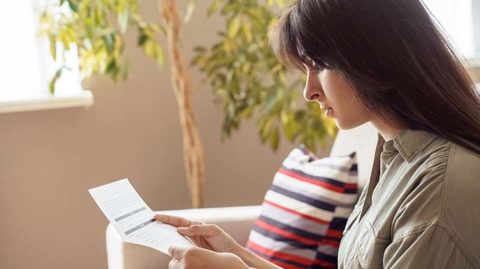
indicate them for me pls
(305, 211)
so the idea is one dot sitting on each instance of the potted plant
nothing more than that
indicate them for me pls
(244, 74)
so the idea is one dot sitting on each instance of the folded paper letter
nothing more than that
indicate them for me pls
(133, 219)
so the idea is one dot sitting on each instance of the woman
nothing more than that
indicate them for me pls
(382, 62)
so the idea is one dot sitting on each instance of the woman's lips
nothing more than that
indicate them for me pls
(329, 112)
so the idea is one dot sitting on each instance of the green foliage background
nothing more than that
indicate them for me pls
(246, 78)
(249, 81)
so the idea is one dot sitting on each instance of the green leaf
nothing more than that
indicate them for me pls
(199, 49)
(330, 127)
(53, 46)
(160, 56)
(264, 128)
(248, 112)
(275, 138)
(234, 26)
(190, 7)
(150, 49)
(214, 6)
(247, 31)
(123, 20)
(142, 38)
(285, 117)
(291, 130)
(72, 5)
(109, 40)
(53, 81)
(111, 66)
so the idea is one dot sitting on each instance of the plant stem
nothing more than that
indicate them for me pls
(194, 160)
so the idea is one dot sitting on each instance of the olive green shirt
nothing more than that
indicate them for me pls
(421, 208)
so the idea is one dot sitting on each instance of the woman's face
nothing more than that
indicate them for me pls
(336, 97)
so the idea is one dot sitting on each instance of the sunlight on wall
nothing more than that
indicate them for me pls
(456, 18)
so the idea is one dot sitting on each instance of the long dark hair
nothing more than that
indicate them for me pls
(391, 51)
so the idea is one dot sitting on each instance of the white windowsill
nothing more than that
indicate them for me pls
(84, 99)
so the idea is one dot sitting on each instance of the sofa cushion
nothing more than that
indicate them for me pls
(305, 211)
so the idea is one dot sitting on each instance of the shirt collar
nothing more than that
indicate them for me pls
(409, 143)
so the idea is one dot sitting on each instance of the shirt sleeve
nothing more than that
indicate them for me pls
(429, 247)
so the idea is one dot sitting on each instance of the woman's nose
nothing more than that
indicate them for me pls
(313, 88)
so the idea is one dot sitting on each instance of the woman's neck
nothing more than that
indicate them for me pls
(385, 129)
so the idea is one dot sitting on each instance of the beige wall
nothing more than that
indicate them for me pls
(49, 159)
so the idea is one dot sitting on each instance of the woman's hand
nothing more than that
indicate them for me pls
(199, 258)
(208, 236)
(216, 248)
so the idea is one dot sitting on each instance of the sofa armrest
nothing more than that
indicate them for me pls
(236, 221)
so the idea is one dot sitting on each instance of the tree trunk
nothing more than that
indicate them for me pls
(192, 146)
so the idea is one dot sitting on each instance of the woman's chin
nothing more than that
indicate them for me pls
(347, 125)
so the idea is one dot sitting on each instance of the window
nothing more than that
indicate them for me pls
(461, 21)
(26, 66)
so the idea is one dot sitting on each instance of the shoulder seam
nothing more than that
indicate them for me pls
(440, 216)
(449, 174)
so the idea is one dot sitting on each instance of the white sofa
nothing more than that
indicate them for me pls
(237, 221)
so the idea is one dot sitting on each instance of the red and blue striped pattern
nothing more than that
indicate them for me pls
(305, 211)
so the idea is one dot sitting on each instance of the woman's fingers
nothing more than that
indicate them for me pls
(188, 227)
(175, 264)
(174, 221)
(205, 230)
(178, 252)
(199, 258)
